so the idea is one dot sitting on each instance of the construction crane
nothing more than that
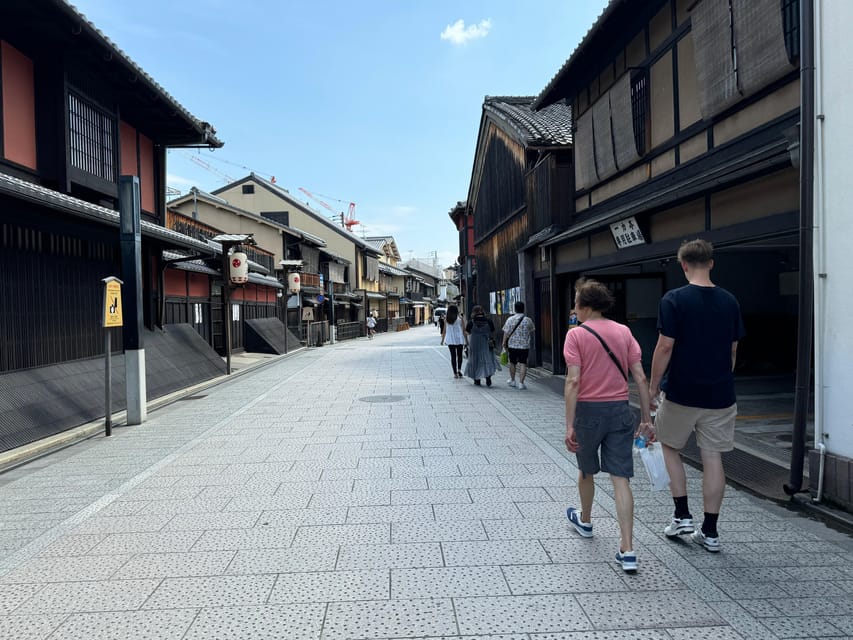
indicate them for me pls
(347, 220)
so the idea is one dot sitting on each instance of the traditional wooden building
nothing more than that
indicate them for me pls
(684, 113)
(519, 194)
(75, 114)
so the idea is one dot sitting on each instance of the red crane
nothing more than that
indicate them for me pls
(347, 221)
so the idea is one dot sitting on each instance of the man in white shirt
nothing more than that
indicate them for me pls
(518, 337)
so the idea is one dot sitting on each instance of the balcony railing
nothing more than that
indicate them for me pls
(310, 279)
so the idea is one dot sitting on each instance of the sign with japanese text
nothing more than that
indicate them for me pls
(626, 233)
(112, 302)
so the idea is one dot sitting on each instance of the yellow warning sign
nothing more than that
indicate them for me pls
(112, 304)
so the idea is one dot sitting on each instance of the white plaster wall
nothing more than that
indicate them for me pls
(834, 223)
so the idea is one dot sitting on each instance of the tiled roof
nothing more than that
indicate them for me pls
(207, 132)
(391, 271)
(551, 126)
(55, 200)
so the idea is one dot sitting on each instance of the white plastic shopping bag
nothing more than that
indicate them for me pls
(652, 457)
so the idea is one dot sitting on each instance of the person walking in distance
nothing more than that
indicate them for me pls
(700, 325)
(371, 326)
(453, 335)
(518, 337)
(598, 356)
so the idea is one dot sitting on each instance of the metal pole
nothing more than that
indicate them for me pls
(226, 308)
(805, 309)
(108, 384)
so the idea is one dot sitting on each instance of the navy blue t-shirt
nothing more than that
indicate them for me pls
(704, 322)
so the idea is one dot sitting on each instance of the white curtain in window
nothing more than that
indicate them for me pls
(760, 39)
(371, 269)
(336, 272)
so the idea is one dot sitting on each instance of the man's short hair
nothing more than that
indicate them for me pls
(594, 295)
(519, 307)
(696, 252)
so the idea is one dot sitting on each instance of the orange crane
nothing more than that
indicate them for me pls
(347, 221)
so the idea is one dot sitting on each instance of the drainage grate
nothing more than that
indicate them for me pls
(383, 398)
(191, 398)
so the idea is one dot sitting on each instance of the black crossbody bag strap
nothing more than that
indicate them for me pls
(513, 330)
(609, 352)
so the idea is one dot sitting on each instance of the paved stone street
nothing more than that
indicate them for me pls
(359, 491)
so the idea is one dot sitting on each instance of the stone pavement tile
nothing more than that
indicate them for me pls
(392, 514)
(647, 609)
(844, 623)
(207, 521)
(509, 494)
(816, 588)
(293, 559)
(33, 627)
(72, 545)
(748, 590)
(562, 578)
(23, 521)
(65, 569)
(431, 496)
(809, 627)
(139, 625)
(249, 490)
(529, 528)
(123, 524)
(236, 539)
(533, 479)
(388, 556)
(548, 509)
(846, 586)
(192, 505)
(809, 606)
(497, 552)
(444, 531)
(76, 597)
(608, 635)
(759, 608)
(375, 533)
(369, 473)
(532, 614)
(120, 508)
(13, 595)
(422, 451)
(350, 499)
(653, 575)
(286, 516)
(704, 633)
(741, 574)
(390, 484)
(483, 511)
(211, 591)
(693, 578)
(463, 482)
(175, 565)
(447, 582)
(273, 502)
(504, 469)
(389, 619)
(273, 622)
(331, 586)
(178, 492)
(742, 621)
(146, 542)
(425, 471)
(216, 480)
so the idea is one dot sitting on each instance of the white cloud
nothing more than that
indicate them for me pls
(458, 33)
(179, 181)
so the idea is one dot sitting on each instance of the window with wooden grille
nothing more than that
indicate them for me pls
(92, 138)
(791, 25)
(640, 109)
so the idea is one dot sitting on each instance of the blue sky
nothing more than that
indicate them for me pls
(375, 102)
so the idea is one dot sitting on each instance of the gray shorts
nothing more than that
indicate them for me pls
(608, 426)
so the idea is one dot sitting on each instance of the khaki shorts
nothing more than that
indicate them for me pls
(715, 428)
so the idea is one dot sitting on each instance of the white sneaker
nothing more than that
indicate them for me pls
(511, 382)
(521, 386)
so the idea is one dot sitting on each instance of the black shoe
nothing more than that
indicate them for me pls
(477, 382)
(489, 381)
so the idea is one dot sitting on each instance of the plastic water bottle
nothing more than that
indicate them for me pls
(640, 442)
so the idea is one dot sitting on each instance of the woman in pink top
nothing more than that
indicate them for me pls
(598, 354)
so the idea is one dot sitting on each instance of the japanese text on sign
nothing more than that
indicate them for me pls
(626, 233)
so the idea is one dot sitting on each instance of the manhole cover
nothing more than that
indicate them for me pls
(382, 398)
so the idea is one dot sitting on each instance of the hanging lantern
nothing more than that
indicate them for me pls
(239, 268)
(293, 282)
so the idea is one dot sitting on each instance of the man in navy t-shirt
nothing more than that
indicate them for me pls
(700, 326)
